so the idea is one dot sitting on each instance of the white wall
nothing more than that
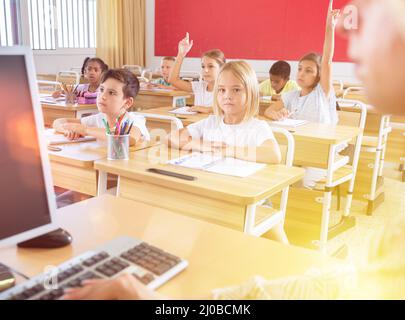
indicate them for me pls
(51, 62)
(341, 71)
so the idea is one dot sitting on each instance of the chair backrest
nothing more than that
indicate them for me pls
(158, 133)
(135, 69)
(47, 85)
(147, 74)
(338, 85)
(353, 113)
(68, 77)
(287, 145)
(355, 93)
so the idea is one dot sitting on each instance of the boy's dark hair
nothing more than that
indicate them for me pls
(281, 69)
(103, 65)
(130, 81)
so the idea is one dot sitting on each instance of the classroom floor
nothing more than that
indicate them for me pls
(358, 238)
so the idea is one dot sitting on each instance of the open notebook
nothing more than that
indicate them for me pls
(183, 110)
(54, 138)
(289, 123)
(46, 98)
(218, 164)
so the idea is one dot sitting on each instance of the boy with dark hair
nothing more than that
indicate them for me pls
(279, 81)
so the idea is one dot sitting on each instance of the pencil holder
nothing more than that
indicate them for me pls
(70, 98)
(117, 147)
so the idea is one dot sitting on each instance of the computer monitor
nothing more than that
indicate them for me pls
(26, 189)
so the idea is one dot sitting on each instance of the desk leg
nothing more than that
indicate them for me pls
(327, 200)
(250, 216)
(102, 183)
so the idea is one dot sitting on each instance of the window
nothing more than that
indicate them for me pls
(56, 24)
(9, 13)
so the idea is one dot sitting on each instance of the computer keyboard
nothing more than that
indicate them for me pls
(150, 265)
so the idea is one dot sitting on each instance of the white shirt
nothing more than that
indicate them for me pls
(314, 107)
(96, 121)
(202, 97)
(249, 133)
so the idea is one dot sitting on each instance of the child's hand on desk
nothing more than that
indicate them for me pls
(73, 131)
(277, 115)
(185, 46)
(200, 109)
(276, 97)
(57, 94)
(124, 287)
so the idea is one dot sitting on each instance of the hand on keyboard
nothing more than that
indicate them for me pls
(124, 287)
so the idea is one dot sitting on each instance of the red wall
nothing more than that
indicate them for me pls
(246, 29)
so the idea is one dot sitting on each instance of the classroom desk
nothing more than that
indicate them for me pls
(209, 249)
(51, 112)
(147, 99)
(314, 142)
(225, 200)
(73, 167)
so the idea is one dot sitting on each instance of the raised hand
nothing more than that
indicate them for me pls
(185, 45)
(333, 16)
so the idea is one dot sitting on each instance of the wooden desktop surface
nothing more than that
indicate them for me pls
(217, 256)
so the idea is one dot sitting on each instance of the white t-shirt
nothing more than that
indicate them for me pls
(202, 97)
(250, 133)
(314, 107)
(96, 121)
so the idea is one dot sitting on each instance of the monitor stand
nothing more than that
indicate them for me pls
(7, 279)
(54, 239)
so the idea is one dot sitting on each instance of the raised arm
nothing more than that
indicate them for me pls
(329, 49)
(185, 46)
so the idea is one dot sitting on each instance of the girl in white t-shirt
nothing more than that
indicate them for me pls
(211, 62)
(316, 101)
(233, 129)
(118, 90)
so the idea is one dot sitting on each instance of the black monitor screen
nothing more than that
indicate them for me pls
(23, 195)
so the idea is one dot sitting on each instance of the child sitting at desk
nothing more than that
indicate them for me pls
(118, 90)
(166, 67)
(279, 81)
(233, 129)
(316, 101)
(92, 70)
(211, 62)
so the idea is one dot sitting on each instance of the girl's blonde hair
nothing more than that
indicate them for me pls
(247, 76)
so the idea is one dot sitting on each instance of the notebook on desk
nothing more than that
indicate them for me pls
(289, 123)
(183, 110)
(218, 164)
(46, 98)
(55, 139)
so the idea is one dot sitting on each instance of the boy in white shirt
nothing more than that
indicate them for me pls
(118, 90)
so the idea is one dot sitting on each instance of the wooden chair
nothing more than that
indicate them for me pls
(135, 69)
(374, 146)
(257, 214)
(309, 210)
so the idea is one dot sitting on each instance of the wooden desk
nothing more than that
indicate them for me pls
(147, 99)
(52, 112)
(73, 167)
(209, 249)
(314, 142)
(225, 200)
(165, 124)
